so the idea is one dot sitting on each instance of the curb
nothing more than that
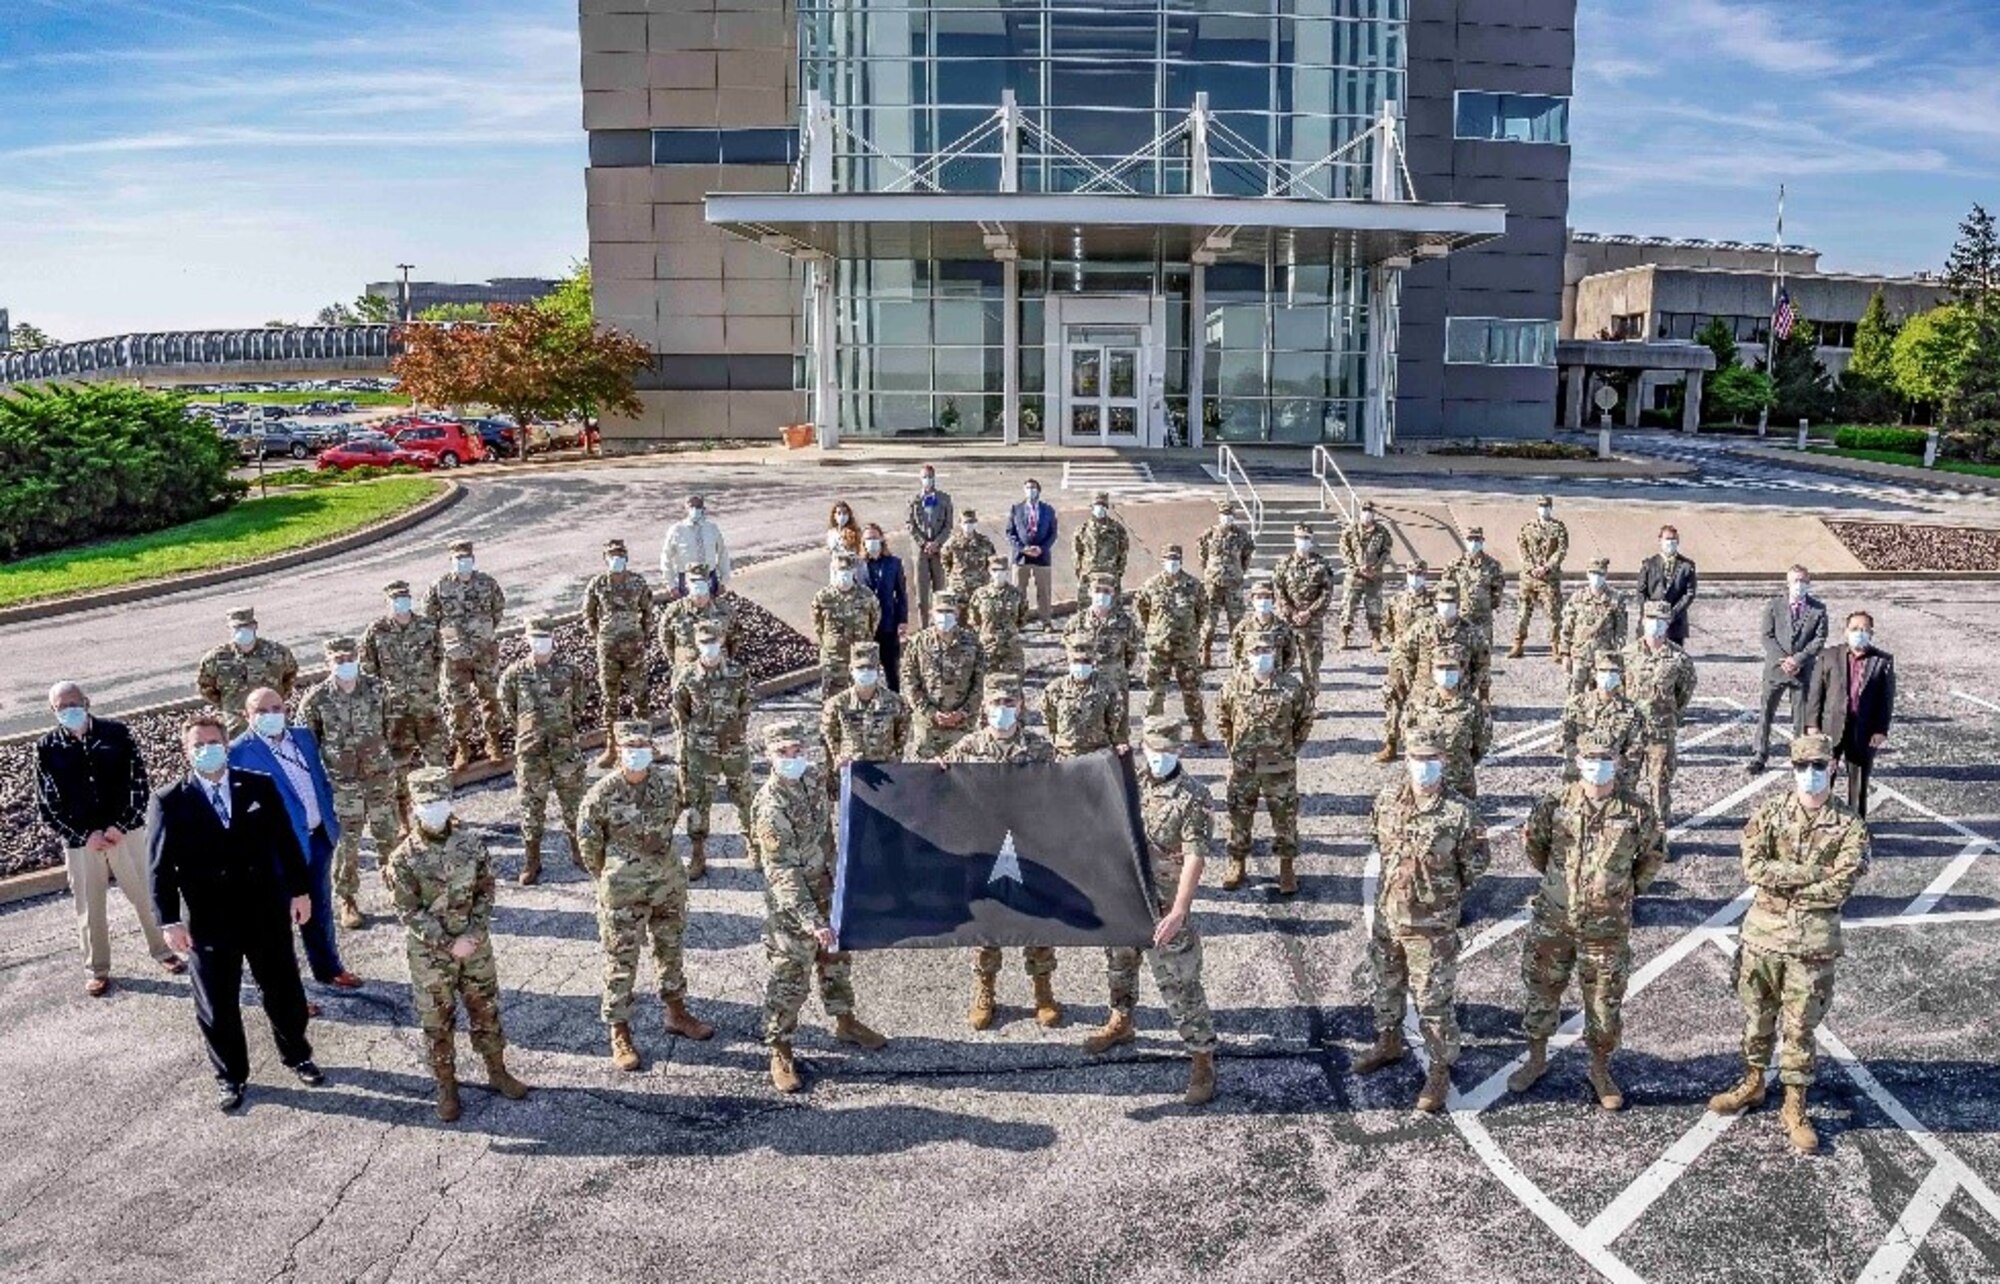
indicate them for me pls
(41, 882)
(53, 607)
(1867, 468)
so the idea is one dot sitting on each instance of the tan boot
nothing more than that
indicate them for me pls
(1048, 1012)
(784, 1070)
(531, 861)
(350, 914)
(1793, 1116)
(444, 1068)
(609, 758)
(623, 1054)
(1378, 646)
(1388, 1050)
(500, 1080)
(461, 757)
(1208, 654)
(1437, 1086)
(848, 1028)
(697, 858)
(1387, 753)
(685, 1023)
(981, 1015)
(1201, 1080)
(1609, 1094)
(1199, 734)
(1744, 1096)
(1531, 1073)
(1347, 639)
(1232, 874)
(575, 850)
(1519, 649)
(1288, 879)
(1117, 1029)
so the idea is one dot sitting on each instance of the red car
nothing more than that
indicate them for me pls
(378, 452)
(449, 444)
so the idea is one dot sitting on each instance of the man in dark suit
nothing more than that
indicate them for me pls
(882, 572)
(1668, 577)
(225, 864)
(1793, 633)
(289, 755)
(1031, 529)
(1852, 700)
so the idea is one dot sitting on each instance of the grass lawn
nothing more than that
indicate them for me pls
(1915, 461)
(254, 528)
(301, 398)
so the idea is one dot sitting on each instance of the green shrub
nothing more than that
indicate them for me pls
(83, 462)
(336, 476)
(1902, 441)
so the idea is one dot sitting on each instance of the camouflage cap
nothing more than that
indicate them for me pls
(1448, 591)
(1475, 532)
(708, 631)
(1595, 744)
(634, 731)
(1078, 646)
(1448, 657)
(1225, 505)
(396, 588)
(1001, 686)
(1367, 505)
(864, 655)
(243, 615)
(1260, 583)
(1602, 564)
(1608, 660)
(1814, 746)
(1170, 550)
(696, 571)
(1422, 744)
(843, 559)
(1543, 501)
(541, 625)
(1262, 640)
(967, 515)
(614, 546)
(947, 598)
(1162, 731)
(1300, 528)
(997, 562)
(1109, 583)
(785, 731)
(430, 784)
(1101, 497)
(341, 646)
(1655, 611)
(461, 546)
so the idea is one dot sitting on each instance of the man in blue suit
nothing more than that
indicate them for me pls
(290, 756)
(1031, 529)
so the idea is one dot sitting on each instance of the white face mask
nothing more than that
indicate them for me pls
(1596, 579)
(1225, 521)
(616, 564)
(843, 579)
(1099, 511)
(271, 725)
(1797, 589)
(709, 650)
(1032, 492)
(1475, 546)
(1161, 763)
(1446, 678)
(841, 519)
(874, 547)
(209, 758)
(243, 637)
(1544, 512)
(1302, 545)
(463, 565)
(635, 758)
(1416, 583)
(1425, 773)
(1002, 717)
(542, 644)
(401, 604)
(1596, 771)
(1263, 664)
(930, 483)
(1102, 601)
(999, 579)
(792, 768)
(969, 529)
(1610, 680)
(1081, 670)
(1171, 566)
(1859, 638)
(434, 816)
(347, 670)
(1264, 606)
(1448, 612)
(694, 516)
(867, 677)
(1812, 780)
(1670, 546)
(947, 620)
(73, 717)
(1367, 519)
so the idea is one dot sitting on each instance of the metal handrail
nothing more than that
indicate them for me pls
(1229, 468)
(1322, 465)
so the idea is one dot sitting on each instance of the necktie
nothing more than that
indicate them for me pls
(217, 796)
(1795, 611)
(1032, 515)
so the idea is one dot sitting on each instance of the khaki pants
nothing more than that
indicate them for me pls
(90, 877)
(929, 568)
(1044, 580)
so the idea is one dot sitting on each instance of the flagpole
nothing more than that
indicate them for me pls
(1771, 327)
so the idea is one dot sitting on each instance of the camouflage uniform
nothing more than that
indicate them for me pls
(1264, 723)
(680, 618)
(1304, 584)
(227, 676)
(942, 673)
(1592, 622)
(544, 702)
(352, 728)
(966, 556)
(711, 706)
(1662, 684)
(1542, 543)
(852, 729)
(408, 656)
(1432, 853)
(998, 613)
(1460, 726)
(1084, 715)
(793, 832)
(1414, 659)
(1610, 716)
(627, 835)
(618, 613)
(1224, 553)
(1113, 635)
(841, 617)
(1102, 546)
(1481, 584)
(1364, 553)
(1268, 623)
(468, 612)
(988, 745)
(1407, 607)
(1170, 616)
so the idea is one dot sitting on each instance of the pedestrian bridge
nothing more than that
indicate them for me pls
(266, 354)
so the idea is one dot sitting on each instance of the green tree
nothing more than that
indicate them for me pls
(1974, 400)
(1973, 268)
(27, 337)
(1719, 338)
(444, 312)
(1737, 391)
(1928, 352)
(571, 299)
(1800, 385)
(367, 309)
(1868, 385)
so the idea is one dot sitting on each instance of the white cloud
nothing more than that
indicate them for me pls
(1792, 38)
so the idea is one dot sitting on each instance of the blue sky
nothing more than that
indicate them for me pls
(201, 162)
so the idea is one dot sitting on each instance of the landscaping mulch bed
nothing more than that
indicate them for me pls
(771, 648)
(1893, 546)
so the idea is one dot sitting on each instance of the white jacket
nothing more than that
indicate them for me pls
(688, 544)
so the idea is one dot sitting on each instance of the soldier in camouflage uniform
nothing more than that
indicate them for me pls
(230, 672)
(1224, 551)
(1263, 619)
(1413, 602)
(1102, 546)
(967, 555)
(711, 703)
(793, 834)
(1597, 848)
(627, 827)
(1448, 717)
(1178, 815)
(698, 605)
(542, 696)
(1592, 621)
(843, 613)
(865, 723)
(1265, 719)
(998, 613)
(1304, 583)
(348, 715)
(1170, 610)
(1606, 712)
(1003, 739)
(1413, 662)
(1433, 849)
(1542, 543)
(1481, 583)
(943, 668)
(1802, 855)
(1364, 553)
(467, 605)
(618, 614)
(1084, 712)
(1111, 630)
(1661, 679)
(442, 880)
(403, 649)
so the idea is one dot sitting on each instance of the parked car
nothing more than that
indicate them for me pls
(450, 443)
(373, 451)
(497, 435)
(254, 441)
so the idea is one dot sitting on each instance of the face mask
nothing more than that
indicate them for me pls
(434, 816)
(930, 483)
(271, 725)
(1670, 546)
(1002, 717)
(1263, 664)
(1446, 678)
(792, 768)
(1544, 512)
(73, 717)
(1102, 601)
(1099, 511)
(1416, 583)
(874, 547)
(616, 564)
(843, 579)
(867, 677)
(710, 650)
(637, 758)
(1264, 606)
(1172, 566)
(347, 670)
(463, 565)
(999, 579)
(401, 604)
(1609, 681)
(244, 637)
(697, 588)
(1225, 521)
(1032, 492)
(947, 620)
(1081, 670)
(840, 519)
(1425, 773)
(1596, 582)
(1448, 612)
(209, 758)
(969, 529)
(1796, 589)
(542, 645)
(1367, 519)
(1161, 764)
(1302, 546)
(1475, 546)
(694, 516)
(1812, 780)
(1656, 629)
(1859, 638)
(1597, 771)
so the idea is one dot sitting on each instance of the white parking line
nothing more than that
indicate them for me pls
(1941, 885)
(1905, 919)
(1968, 1181)
(1907, 1235)
(1983, 703)
(1523, 1188)
(1632, 1202)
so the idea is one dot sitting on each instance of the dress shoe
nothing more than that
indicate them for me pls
(173, 966)
(97, 986)
(309, 1074)
(228, 1096)
(346, 981)
(1755, 766)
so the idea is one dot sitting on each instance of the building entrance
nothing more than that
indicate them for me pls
(1106, 368)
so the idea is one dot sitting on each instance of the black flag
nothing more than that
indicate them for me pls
(992, 854)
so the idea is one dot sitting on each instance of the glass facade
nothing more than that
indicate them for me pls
(1512, 118)
(1499, 341)
(919, 342)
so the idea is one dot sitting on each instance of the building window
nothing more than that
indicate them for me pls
(1512, 118)
(1499, 341)
(725, 146)
(1629, 325)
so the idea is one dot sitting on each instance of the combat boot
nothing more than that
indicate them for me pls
(1793, 1116)
(1201, 1080)
(1288, 879)
(1609, 1094)
(981, 1015)
(461, 757)
(1208, 653)
(685, 1023)
(848, 1028)
(1437, 1086)
(1048, 1012)
(1198, 736)
(1117, 1029)
(609, 758)
(784, 1070)
(697, 857)
(575, 850)
(1233, 872)
(1388, 1050)
(1377, 645)
(1745, 1095)
(500, 1080)
(444, 1068)
(350, 914)
(531, 861)
(623, 1054)
(1387, 753)
(1519, 649)
(1347, 637)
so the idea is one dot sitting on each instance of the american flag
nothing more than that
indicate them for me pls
(1787, 316)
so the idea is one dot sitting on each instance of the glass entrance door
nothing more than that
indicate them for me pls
(1106, 373)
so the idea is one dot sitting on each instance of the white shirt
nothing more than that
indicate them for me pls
(292, 761)
(694, 544)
